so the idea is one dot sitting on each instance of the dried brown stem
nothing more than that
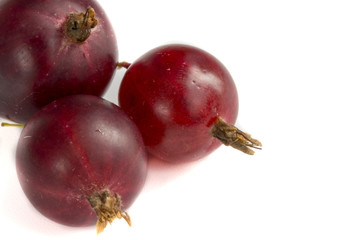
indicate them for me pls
(79, 25)
(123, 65)
(107, 208)
(229, 135)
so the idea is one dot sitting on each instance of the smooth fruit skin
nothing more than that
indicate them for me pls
(39, 64)
(75, 147)
(174, 94)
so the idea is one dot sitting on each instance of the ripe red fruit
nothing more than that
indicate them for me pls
(182, 99)
(50, 49)
(81, 158)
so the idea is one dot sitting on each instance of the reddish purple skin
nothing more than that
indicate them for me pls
(174, 93)
(74, 147)
(39, 64)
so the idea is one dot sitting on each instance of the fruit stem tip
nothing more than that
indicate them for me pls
(229, 135)
(4, 124)
(79, 25)
(107, 208)
(123, 65)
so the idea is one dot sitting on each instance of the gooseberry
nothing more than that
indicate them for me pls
(184, 101)
(79, 160)
(51, 49)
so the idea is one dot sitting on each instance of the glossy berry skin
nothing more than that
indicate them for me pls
(174, 94)
(76, 147)
(39, 63)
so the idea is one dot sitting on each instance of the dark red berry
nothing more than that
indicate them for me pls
(184, 101)
(50, 49)
(79, 159)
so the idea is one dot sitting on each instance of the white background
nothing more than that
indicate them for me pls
(296, 65)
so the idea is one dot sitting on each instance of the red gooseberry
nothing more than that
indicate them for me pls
(50, 49)
(81, 159)
(184, 101)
